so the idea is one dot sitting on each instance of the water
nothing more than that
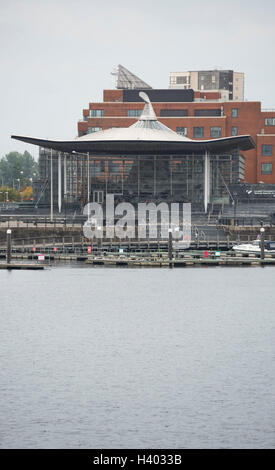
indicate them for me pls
(137, 358)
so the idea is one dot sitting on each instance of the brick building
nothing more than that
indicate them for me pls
(197, 115)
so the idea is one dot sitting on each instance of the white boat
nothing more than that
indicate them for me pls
(255, 247)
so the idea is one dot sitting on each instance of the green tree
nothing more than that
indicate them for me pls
(10, 194)
(17, 169)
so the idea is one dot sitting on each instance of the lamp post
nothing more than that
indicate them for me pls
(235, 206)
(19, 180)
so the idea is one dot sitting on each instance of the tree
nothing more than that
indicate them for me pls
(17, 169)
(26, 193)
(10, 194)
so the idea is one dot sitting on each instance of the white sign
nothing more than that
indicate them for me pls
(41, 257)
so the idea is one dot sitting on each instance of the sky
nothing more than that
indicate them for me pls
(56, 56)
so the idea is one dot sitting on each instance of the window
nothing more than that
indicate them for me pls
(215, 131)
(96, 112)
(270, 121)
(181, 131)
(267, 150)
(182, 80)
(114, 167)
(134, 112)
(198, 132)
(234, 112)
(94, 129)
(98, 196)
(173, 112)
(234, 130)
(207, 112)
(98, 167)
(266, 168)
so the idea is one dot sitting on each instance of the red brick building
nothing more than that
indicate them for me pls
(198, 115)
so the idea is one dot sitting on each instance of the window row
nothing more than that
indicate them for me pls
(198, 132)
(179, 113)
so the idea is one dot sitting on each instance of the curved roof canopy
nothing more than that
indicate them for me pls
(146, 136)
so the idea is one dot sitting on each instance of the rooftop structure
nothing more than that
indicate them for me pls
(228, 83)
(127, 80)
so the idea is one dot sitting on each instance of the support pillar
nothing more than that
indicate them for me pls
(59, 183)
(171, 176)
(65, 174)
(154, 175)
(206, 180)
(51, 185)
(88, 178)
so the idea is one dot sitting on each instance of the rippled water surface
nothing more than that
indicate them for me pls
(139, 358)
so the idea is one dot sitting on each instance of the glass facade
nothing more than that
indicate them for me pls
(139, 178)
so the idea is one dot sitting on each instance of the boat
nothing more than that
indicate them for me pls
(255, 247)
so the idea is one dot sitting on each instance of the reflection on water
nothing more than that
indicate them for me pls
(141, 358)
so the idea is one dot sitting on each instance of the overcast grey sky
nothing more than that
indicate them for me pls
(57, 55)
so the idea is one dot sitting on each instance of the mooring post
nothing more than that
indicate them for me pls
(262, 231)
(99, 241)
(170, 248)
(8, 256)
